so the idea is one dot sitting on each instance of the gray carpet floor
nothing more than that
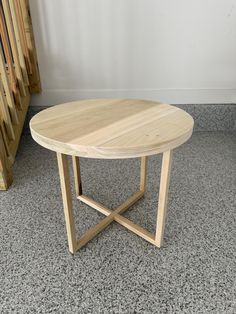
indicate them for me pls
(118, 272)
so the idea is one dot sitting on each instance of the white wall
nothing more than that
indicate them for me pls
(176, 51)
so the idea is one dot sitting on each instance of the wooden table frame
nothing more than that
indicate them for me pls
(112, 215)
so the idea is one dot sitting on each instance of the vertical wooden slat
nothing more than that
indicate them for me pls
(77, 176)
(7, 89)
(23, 35)
(18, 41)
(7, 49)
(143, 173)
(163, 196)
(13, 44)
(5, 113)
(6, 141)
(9, 60)
(5, 167)
(67, 200)
(34, 77)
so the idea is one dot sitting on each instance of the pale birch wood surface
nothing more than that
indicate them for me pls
(111, 128)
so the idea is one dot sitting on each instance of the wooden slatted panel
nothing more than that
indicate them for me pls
(18, 41)
(7, 49)
(7, 88)
(4, 112)
(12, 39)
(5, 167)
(19, 75)
(34, 76)
(10, 65)
(22, 34)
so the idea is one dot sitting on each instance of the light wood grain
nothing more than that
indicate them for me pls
(143, 173)
(92, 232)
(18, 41)
(111, 128)
(157, 238)
(67, 201)
(148, 236)
(163, 196)
(74, 243)
(20, 19)
(14, 94)
(13, 145)
(5, 167)
(4, 112)
(7, 89)
(111, 215)
(34, 77)
(7, 51)
(13, 44)
(77, 176)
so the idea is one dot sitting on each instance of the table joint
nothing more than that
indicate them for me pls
(115, 215)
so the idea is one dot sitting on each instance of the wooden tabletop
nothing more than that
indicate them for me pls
(111, 128)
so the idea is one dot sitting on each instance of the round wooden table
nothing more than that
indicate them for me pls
(112, 129)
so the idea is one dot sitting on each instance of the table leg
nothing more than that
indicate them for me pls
(67, 201)
(75, 244)
(77, 176)
(143, 173)
(163, 196)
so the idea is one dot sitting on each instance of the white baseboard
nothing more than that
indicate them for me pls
(173, 96)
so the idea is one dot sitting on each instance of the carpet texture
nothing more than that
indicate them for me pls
(119, 272)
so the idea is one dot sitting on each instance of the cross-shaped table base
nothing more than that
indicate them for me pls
(112, 215)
